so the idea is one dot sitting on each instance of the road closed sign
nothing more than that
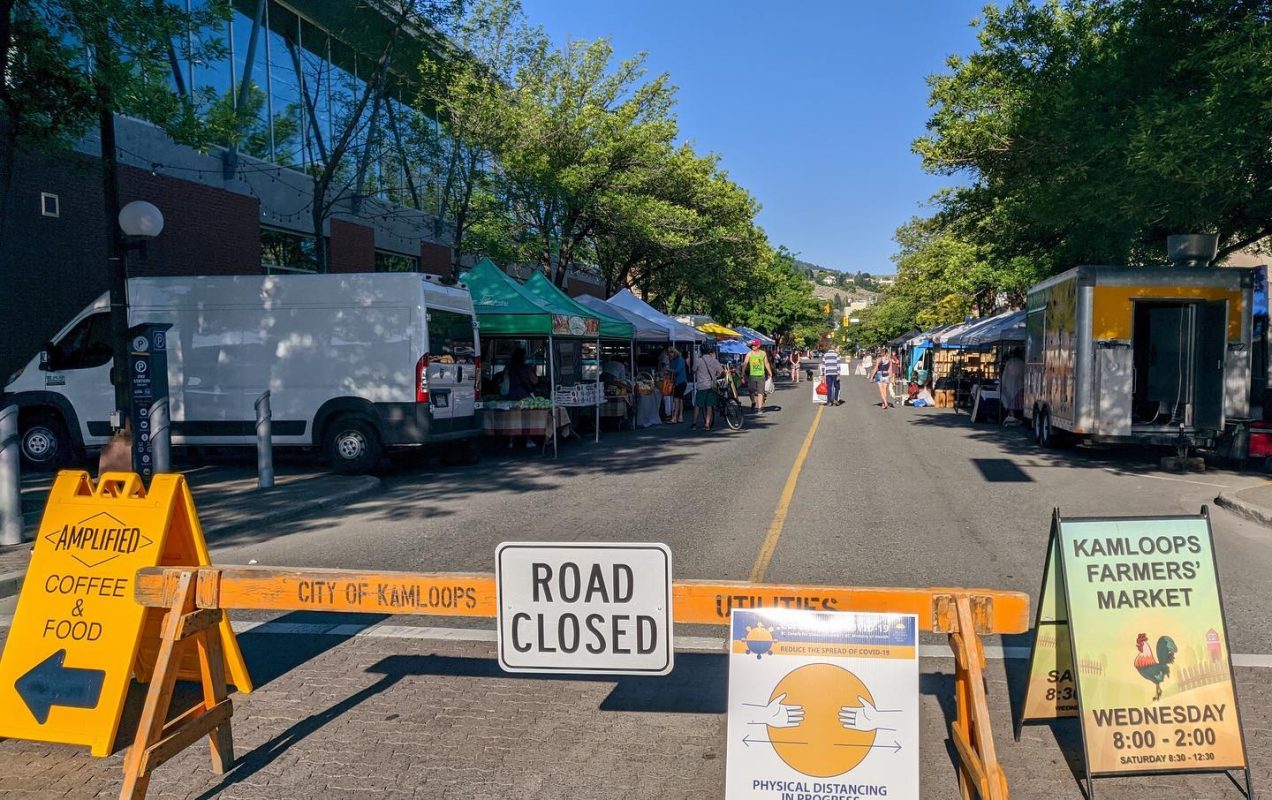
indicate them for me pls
(596, 608)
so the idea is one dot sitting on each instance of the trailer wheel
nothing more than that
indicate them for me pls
(1046, 436)
(352, 445)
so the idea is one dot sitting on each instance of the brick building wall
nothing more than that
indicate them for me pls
(206, 231)
(576, 288)
(352, 247)
(435, 259)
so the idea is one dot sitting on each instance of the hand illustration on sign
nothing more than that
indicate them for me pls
(865, 717)
(776, 714)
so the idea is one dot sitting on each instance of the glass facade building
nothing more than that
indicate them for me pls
(307, 78)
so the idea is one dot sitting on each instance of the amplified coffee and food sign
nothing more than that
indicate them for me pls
(1147, 649)
(77, 631)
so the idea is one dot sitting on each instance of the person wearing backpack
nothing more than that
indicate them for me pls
(758, 370)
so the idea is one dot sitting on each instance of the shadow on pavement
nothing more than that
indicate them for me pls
(1014, 441)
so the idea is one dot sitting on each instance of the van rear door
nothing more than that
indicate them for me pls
(452, 367)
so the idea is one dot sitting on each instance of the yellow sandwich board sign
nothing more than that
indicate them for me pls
(1147, 633)
(75, 640)
(1050, 692)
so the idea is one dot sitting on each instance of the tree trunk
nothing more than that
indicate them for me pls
(319, 215)
(8, 116)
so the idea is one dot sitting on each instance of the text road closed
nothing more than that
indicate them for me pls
(584, 607)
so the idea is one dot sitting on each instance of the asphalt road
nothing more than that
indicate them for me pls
(410, 708)
(903, 497)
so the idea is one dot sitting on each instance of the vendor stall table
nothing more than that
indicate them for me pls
(618, 406)
(525, 422)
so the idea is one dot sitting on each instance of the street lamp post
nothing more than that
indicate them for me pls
(136, 223)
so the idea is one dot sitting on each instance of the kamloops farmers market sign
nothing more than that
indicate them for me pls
(1131, 638)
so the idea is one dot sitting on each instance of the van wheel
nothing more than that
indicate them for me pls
(44, 442)
(352, 445)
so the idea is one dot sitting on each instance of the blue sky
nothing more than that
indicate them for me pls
(812, 104)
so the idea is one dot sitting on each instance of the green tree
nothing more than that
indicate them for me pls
(1090, 129)
(581, 130)
(471, 96)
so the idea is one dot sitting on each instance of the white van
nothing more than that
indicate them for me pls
(355, 364)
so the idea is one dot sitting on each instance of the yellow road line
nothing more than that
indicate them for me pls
(784, 504)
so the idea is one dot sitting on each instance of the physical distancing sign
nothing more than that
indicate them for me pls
(822, 705)
(1148, 646)
(597, 608)
(75, 641)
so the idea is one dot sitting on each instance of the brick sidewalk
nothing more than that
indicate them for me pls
(405, 718)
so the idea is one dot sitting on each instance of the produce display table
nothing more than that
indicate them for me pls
(617, 406)
(524, 422)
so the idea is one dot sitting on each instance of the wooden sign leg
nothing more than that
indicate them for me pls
(157, 740)
(980, 774)
(212, 667)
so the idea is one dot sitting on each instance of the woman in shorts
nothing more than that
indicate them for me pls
(882, 375)
(705, 371)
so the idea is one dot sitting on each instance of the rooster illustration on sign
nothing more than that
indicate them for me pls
(1155, 667)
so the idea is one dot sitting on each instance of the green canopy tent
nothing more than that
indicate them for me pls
(612, 327)
(506, 309)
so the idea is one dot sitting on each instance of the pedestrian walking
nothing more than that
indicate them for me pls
(830, 369)
(883, 376)
(758, 370)
(866, 370)
(795, 365)
(706, 369)
(1013, 384)
(680, 383)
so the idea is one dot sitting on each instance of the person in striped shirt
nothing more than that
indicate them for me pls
(830, 368)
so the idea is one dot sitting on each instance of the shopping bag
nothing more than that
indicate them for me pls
(821, 387)
(769, 388)
(819, 393)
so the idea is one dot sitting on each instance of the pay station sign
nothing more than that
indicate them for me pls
(597, 608)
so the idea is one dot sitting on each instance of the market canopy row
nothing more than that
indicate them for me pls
(675, 331)
(506, 308)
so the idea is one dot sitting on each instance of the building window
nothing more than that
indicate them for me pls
(50, 205)
(285, 251)
(394, 262)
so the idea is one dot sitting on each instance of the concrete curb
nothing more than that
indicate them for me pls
(1241, 508)
(11, 583)
(355, 488)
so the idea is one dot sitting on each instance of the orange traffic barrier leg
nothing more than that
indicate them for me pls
(158, 740)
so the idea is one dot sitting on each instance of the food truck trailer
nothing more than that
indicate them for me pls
(1139, 355)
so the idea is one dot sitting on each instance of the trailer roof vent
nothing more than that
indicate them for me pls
(1192, 249)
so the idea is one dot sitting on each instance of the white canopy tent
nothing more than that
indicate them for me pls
(676, 331)
(646, 330)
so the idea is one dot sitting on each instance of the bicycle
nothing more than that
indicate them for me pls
(727, 405)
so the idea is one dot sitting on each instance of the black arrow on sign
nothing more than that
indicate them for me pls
(748, 741)
(50, 684)
(894, 747)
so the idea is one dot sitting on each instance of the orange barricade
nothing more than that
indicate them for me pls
(195, 599)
